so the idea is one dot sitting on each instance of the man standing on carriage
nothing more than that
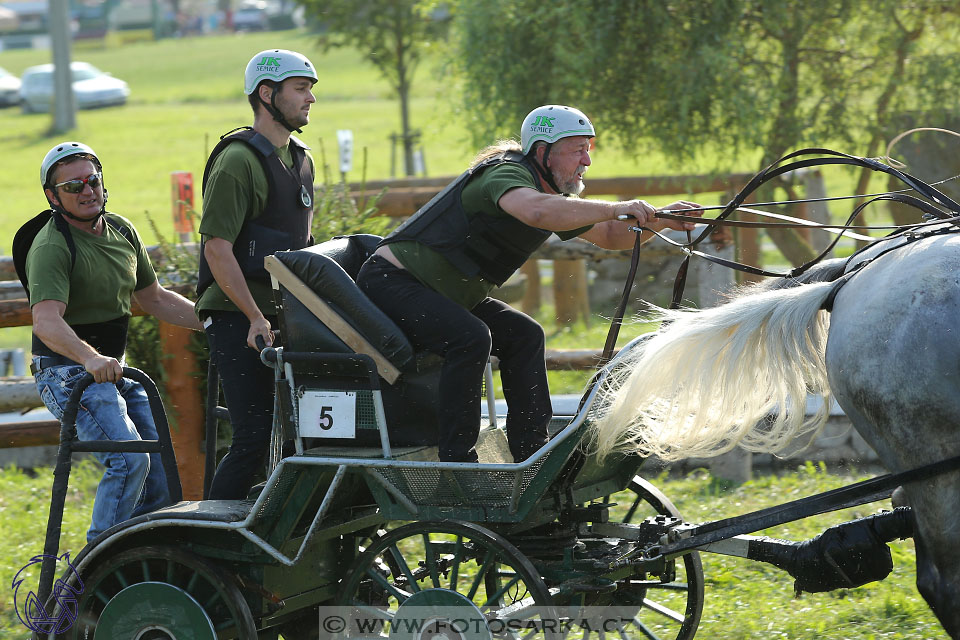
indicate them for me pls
(80, 265)
(433, 274)
(257, 199)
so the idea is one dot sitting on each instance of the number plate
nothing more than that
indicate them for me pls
(328, 414)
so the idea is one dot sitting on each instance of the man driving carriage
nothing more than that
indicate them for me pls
(434, 273)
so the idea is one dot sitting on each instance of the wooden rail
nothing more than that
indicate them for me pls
(404, 197)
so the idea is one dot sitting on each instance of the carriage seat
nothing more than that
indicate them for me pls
(320, 309)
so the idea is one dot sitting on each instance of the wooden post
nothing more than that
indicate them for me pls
(815, 187)
(185, 407)
(748, 244)
(531, 295)
(567, 288)
(582, 298)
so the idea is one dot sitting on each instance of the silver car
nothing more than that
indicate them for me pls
(9, 88)
(92, 87)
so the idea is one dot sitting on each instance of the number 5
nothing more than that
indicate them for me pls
(326, 418)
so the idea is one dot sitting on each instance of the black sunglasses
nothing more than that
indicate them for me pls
(76, 186)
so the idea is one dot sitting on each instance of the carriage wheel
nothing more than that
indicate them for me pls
(445, 579)
(160, 593)
(663, 610)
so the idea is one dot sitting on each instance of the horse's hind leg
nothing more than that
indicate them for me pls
(940, 591)
(936, 518)
(910, 424)
(893, 362)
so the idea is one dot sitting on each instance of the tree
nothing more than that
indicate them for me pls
(685, 76)
(392, 34)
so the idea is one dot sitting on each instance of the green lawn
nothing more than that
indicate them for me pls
(743, 600)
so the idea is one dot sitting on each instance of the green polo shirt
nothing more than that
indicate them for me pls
(97, 288)
(481, 194)
(237, 191)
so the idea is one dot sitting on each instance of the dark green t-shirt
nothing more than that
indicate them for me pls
(481, 194)
(98, 286)
(237, 191)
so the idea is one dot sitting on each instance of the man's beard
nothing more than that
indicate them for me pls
(574, 186)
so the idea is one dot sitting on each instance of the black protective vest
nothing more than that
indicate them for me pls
(109, 337)
(284, 224)
(474, 242)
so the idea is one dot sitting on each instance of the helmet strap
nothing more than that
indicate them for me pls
(542, 169)
(275, 112)
(58, 209)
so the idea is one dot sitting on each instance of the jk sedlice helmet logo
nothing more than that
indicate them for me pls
(33, 614)
(542, 124)
(268, 63)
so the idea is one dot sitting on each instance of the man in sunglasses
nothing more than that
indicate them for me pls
(257, 200)
(81, 270)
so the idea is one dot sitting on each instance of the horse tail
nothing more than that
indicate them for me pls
(710, 380)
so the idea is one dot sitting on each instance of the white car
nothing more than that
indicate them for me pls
(92, 87)
(9, 88)
(251, 16)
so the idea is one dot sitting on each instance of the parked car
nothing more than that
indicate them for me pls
(251, 16)
(9, 88)
(91, 86)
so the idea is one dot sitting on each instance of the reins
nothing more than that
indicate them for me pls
(859, 493)
(935, 215)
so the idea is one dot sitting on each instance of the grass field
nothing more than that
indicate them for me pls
(743, 600)
(187, 92)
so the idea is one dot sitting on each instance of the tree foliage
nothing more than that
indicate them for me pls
(393, 35)
(684, 76)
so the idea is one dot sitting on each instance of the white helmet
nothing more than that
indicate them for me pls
(61, 151)
(552, 122)
(276, 65)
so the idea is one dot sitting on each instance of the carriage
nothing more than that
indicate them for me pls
(361, 532)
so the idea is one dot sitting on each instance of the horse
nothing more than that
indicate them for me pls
(878, 332)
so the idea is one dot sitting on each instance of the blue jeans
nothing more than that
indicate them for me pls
(133, 483)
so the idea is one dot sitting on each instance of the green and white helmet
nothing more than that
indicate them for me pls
(276, 65)
(552, 122)
(61, 151)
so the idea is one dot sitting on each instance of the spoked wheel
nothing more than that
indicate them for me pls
(160, 593)
(451, 580)
(663, 610)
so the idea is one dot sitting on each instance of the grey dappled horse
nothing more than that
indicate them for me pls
(889, 351)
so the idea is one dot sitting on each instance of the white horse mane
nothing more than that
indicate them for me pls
(708, 381)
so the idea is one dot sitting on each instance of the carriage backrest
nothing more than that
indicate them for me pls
(321, 310)
(329, 270)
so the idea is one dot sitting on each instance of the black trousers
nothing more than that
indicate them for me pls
(248, 389)
(466, 338)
